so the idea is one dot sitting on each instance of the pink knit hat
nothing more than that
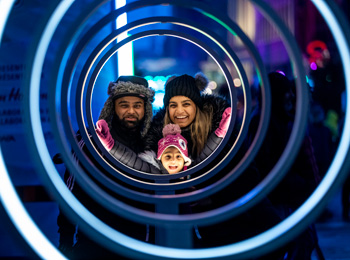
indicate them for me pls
(172, 137)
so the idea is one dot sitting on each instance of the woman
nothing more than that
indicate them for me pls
(198, 116)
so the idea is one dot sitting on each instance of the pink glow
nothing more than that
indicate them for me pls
(313, 66)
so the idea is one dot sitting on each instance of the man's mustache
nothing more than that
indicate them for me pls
(130, 116)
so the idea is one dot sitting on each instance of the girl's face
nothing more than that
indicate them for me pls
(172, 160)
(182, 110)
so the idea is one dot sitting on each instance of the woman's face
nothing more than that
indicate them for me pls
(182, 110)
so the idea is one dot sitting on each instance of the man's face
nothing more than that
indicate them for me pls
(130, 110)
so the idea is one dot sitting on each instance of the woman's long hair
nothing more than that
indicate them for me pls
(200, 127)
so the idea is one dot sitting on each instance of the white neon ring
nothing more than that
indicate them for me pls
(302, 211)
(9, 198)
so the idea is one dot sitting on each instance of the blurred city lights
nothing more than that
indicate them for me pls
(313, 66)
(125, 53)
(212, 85)
(237, 82)
(281, 72)
(158, 84)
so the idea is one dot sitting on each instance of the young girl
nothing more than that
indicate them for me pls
(172, 150)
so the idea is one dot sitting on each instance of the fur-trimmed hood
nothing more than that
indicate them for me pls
(121, 88)
(155, 133)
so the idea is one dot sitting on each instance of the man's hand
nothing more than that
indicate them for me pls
(224, 123)
(103, 133)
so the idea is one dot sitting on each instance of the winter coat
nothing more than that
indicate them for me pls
(126, 147)
(131, 139)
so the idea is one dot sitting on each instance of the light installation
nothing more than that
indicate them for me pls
(127, 245)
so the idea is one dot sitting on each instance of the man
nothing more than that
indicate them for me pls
(128, 113)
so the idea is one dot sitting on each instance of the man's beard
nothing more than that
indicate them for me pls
(129, 125)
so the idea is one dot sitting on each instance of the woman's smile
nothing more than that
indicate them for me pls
(180, 119)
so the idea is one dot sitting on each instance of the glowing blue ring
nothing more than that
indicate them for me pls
(111, 52)
(32, 88)
(86, 137)
(107, 40)
(82, 83)
(346, 127)
(122, 10)
(108, 202)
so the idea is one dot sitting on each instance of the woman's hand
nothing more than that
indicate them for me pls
(224, 123)
(103, 133)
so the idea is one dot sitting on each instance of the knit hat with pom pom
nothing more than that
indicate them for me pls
(187, 86)
(173, 138)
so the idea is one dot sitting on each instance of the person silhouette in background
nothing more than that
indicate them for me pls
(303, 176)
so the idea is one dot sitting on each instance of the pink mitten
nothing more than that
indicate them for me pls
(224, 123)
(103, 133)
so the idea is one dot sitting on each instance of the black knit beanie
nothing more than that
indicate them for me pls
(187, 86)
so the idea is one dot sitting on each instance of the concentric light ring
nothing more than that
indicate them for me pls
(336, 171)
